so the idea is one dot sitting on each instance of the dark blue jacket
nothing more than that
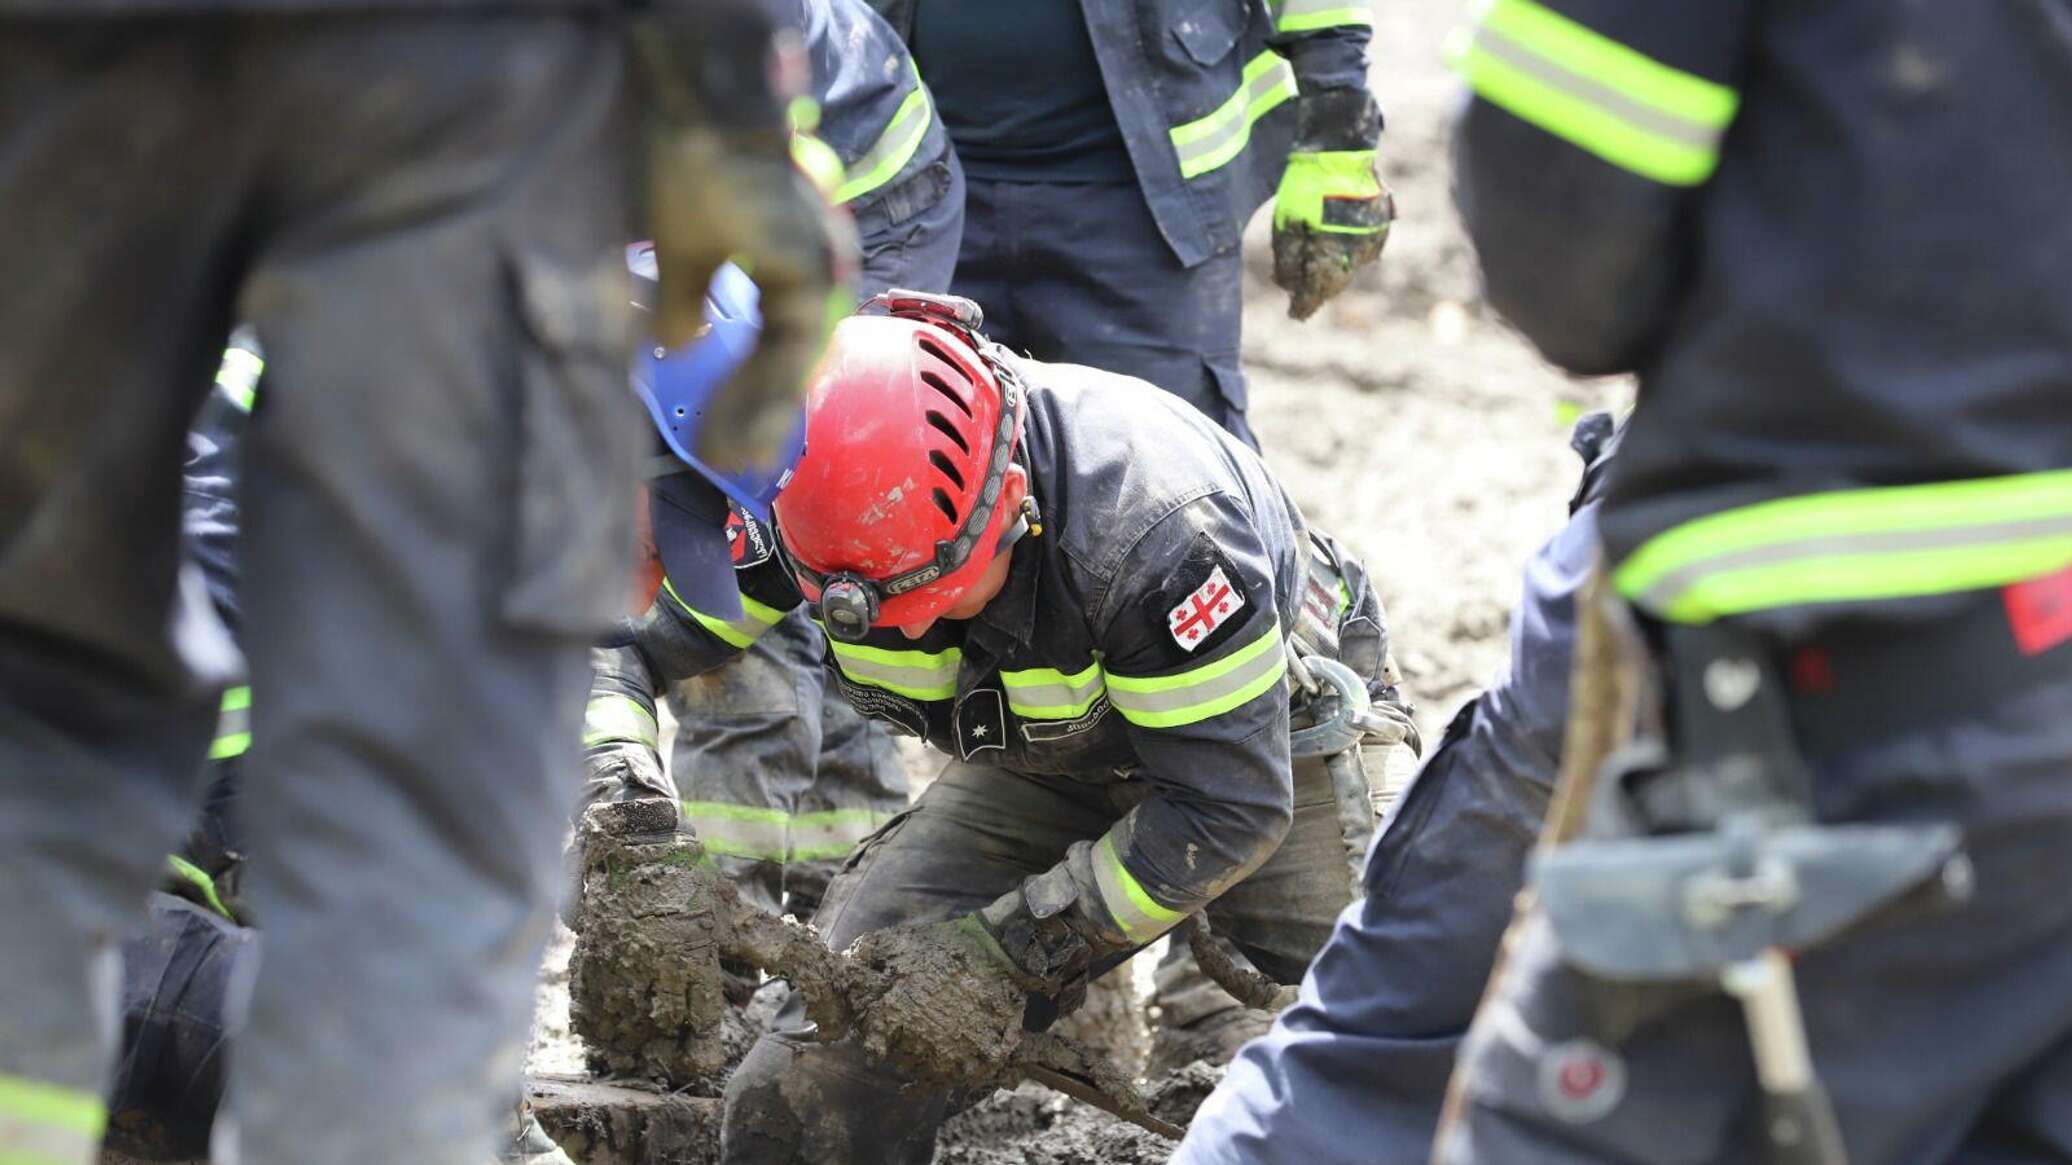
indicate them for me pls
(1832, 240)
(1201, 88)
(874, 111)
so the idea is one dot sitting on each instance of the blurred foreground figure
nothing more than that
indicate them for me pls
(1356, 1071)
(1792, 905)
(437, 521)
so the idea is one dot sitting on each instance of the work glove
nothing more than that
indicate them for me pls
(952, 1008)
(617, 770)
(1332, 213)
(721, 184)
(625, 771)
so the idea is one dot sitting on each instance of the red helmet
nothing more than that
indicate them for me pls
(893, 512)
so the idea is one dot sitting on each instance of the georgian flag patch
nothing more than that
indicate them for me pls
(1211, 605)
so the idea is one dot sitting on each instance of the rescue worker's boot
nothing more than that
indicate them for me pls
(526, 1143)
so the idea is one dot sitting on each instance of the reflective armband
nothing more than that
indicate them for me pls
(1627, 108)
(755, 619)
(1199, 693)
(1855, 545)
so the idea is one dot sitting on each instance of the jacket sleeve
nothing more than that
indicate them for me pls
(1325, 40)
(1594, 127)
(1192, 655)
(675, 641)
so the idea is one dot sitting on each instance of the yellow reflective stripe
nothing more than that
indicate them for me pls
(894, 148)
(818, 161)
(1634, 112)
(233, 725)
(1855, 545)
(48, 1124)
(238, 376)
(1043, 693)
(1208, 142)
(1212, 689)
(755, 619)
(613, 717)
(773, 835)
(1140, 916)
(1311, 15)
(921, 675)
(201, 881)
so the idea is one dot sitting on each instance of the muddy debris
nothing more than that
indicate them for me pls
(1031, 1126)
(1112, 1021)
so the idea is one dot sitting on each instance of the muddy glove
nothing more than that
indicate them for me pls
(952, 1008)
(1332, 213)
(717, 77)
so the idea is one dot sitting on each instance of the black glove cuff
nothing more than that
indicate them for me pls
(1049, 950)
(1337, 119)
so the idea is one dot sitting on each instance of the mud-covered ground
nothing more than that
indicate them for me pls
(1409, 422)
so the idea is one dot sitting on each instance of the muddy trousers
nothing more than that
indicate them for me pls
(446, 419)
(974, 835)
(1355, 1073)
(779, 776)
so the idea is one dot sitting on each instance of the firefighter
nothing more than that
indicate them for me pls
(1114, 151)
(780, 777)
(1803, 912)
(1097, 636)
(1356, 1070)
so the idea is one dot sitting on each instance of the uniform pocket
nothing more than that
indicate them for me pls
(1203, 34)
(579, 443)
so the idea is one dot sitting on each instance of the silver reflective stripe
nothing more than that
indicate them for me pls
(1049, 694)
(894, 148)
(772, 835)
(1664, 593)
(1212, 689)
(1208, 142)
(727, 830)
(921, 675)
(1140, 916)
(1695, 134)
(615, 717)
(832, 834)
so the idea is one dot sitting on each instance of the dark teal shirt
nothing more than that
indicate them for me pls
(1019, 90)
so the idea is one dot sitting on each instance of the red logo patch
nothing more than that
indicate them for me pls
(1209, 607)
(2040, 611)
(1580, 1081)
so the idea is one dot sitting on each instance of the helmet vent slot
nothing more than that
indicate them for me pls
(936, 350)
(943, 425)
(943, 503)
(941, 461)
(942, 386)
